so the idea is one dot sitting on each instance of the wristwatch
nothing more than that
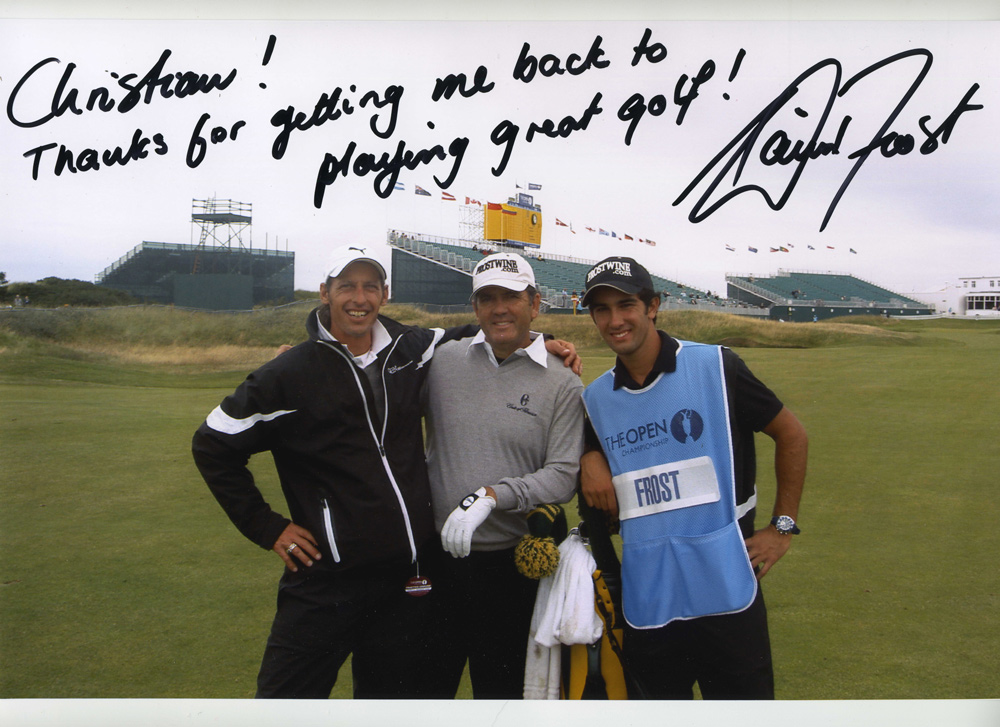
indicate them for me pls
(785, 525)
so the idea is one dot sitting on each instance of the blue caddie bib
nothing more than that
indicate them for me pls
(670, 450)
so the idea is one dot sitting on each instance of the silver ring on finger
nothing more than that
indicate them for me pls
(291, 547)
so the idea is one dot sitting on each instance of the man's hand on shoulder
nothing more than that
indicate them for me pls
(567, 352)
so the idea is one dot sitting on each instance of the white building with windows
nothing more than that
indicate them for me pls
(981, 295)
(977, 297)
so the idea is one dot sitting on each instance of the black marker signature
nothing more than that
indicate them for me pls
(778, 148)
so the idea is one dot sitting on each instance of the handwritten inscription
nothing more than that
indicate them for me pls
(766, 142)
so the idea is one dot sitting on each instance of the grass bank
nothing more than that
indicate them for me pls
(180, 337)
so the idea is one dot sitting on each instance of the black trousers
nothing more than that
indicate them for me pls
(322, 618)
(728, 656)
(483, 614)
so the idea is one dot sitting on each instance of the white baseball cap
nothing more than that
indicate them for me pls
(505, 269)
(341, 257)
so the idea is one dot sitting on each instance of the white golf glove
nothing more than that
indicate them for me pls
(456, 535)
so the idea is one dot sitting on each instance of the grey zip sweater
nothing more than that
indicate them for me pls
(517, 427)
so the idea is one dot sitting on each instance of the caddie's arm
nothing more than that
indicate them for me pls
(595, 483)
(595, 475)
(791, 449)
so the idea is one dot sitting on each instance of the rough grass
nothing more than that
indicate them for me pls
(157, 326)
(225, 357)
(705, 327)
(159, 335)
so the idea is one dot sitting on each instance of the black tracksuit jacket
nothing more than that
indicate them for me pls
(356, 482)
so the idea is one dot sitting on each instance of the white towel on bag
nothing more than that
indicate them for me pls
(564, 614)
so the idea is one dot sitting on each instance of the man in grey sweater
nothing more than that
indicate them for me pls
(504, 434)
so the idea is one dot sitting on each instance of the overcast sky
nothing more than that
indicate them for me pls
(916, 220)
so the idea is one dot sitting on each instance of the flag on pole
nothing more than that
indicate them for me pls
(534, 186)
(447, 197)
(469, 200)
(399, 186)
(421, 191)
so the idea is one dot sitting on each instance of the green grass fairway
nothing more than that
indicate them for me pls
(121, 577)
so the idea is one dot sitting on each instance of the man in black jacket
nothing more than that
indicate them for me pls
(341, 416)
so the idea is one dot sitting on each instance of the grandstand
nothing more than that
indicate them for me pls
(437, 271)
(802, 296)
(194, 276)
(221, 272)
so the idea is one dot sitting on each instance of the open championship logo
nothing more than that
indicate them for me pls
(687, 425)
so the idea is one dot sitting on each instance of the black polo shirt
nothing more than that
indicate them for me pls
(752, 406)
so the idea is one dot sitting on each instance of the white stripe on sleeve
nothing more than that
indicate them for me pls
(429, 351)
(222, 422)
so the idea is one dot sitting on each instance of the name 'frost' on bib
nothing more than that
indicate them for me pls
(666, 487)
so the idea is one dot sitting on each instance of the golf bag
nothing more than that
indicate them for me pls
(599, 670)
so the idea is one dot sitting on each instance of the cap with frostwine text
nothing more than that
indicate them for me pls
(620, 273)
(505, 269)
